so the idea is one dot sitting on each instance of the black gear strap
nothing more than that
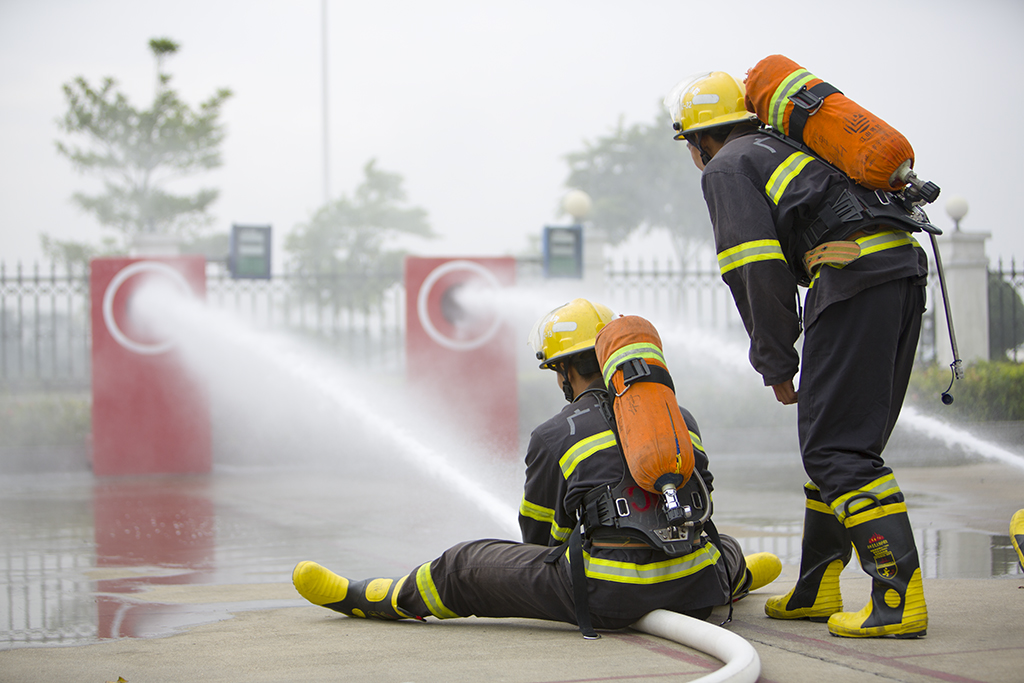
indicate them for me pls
(578, 574)
(806, 101)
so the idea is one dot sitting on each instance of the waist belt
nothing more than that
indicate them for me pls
(838, 253)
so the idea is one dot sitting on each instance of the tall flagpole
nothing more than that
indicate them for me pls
(327, 136)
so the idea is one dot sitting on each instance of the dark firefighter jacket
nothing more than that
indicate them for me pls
(760, 191)
(574, 452)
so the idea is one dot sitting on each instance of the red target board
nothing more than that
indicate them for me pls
(460, 348)
(149, 415)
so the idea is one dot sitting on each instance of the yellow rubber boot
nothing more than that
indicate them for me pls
(762, 569)
(825, 550)
(366, 599)
(1017, 535)
(885, 545)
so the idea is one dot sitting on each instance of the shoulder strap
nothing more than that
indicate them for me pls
(806, 101)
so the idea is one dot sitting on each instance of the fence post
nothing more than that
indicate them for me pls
(966, 269)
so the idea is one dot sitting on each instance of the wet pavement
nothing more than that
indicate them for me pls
(188, 578)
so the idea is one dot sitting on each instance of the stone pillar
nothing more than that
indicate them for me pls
(966, 268)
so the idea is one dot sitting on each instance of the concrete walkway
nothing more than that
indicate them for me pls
(974, 635)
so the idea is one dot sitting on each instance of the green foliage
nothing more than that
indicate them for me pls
(347, 240)
(1005, 317)
(136, 152)
(639, 178)
(988, 391)
(44, 420)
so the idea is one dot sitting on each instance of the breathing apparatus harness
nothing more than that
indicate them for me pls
(626, 516)
(842, 213)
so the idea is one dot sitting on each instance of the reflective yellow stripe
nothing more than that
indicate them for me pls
(695, 440)
(428, 591)
(537, 512)
(780, 98)
(880, 488)
(871, 244)
(875, 513)
(818, 506)
(582, 450)
(784, 174)
(654, 572)
(545, 516)
(890, 239)
(629, 352)
(749, 252)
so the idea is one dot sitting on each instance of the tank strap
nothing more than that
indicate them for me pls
(806, 101)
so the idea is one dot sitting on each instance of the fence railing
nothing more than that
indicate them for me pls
(45, 331)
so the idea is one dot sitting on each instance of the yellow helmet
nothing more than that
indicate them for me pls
(568, 330)
(707, 101)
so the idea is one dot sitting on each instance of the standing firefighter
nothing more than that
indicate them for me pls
(572, 456)
(781, 219)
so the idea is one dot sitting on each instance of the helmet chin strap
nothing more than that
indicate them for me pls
(563, 370)
(566, 384)
(704, 156)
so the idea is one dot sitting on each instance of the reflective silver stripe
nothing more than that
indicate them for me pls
(428, 591)
(789, 85)
(628, 352)
(654, 572)
(582, 450)
(748, 252)
(880, 488)
(784, 174)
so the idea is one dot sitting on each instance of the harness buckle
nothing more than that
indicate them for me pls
(806, 100)
(634, 369)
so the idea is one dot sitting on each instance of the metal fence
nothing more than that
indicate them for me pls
(45, 318)
(1006, 312)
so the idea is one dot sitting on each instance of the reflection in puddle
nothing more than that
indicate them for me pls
(945, 553)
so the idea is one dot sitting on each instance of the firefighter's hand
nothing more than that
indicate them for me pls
(785, 393)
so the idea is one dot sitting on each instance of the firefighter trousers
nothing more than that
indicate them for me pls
(492, 578)
(857, 359)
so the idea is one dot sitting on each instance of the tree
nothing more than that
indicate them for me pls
(344, 246)
(639, 178)
(136, 152)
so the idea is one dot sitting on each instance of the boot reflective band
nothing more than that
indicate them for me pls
(749, 252)
(880, 489)
(784, 174)
(789, 86)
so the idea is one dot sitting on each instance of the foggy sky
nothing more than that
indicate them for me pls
(476, 104)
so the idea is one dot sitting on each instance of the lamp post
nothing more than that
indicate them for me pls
(956, 207)
(578, 204)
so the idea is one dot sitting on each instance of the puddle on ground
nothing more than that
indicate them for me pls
(146, 559)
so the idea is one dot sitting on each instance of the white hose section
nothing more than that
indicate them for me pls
(742, 665)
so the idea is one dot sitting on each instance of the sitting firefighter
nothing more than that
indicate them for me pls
(621, 576)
